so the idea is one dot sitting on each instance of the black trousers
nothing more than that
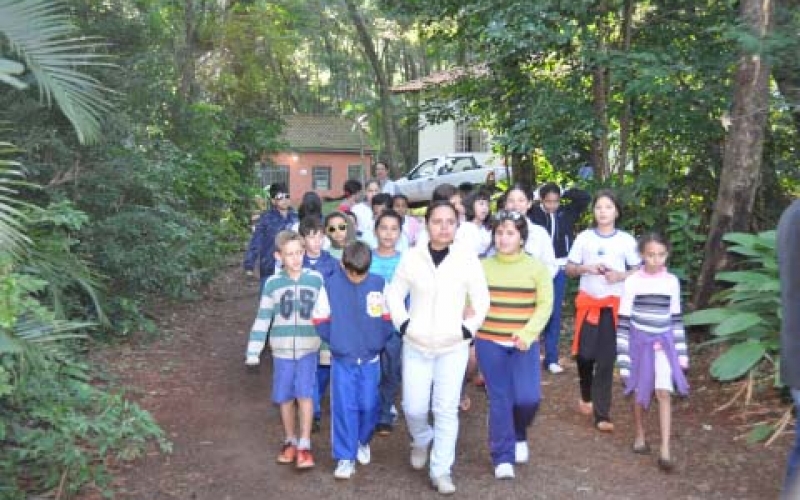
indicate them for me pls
(597, 354)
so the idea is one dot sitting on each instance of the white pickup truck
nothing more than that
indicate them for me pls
(456, 168)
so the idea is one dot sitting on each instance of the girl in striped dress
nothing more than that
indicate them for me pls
(507, 345)
(651, 342)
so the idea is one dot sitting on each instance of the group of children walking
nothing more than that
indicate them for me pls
(385, 307)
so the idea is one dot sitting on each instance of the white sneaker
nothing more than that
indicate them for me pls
(344, 469)
(554, 368)
(444, 484)
(252, 360)
(419, 457)
(521, 453)
(504, 471)
(364, 455)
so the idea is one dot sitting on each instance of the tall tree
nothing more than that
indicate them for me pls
(741, 165)
(390, 135)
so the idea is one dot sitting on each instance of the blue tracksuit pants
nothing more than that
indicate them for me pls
(354, 405)
(513, 385)
(552, 331)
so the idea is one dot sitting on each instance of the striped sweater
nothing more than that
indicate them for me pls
(521, 294)
(650, 305)
(288, 304)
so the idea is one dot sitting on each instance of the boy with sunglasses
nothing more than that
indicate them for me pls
(281, 216)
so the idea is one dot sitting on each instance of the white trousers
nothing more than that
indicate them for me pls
(432, 383)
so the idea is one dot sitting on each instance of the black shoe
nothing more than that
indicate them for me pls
(383, 429)
(315, 426)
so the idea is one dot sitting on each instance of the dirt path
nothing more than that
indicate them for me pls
(226, 433)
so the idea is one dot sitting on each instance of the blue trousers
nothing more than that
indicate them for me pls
(323, 378)
(791, 485)
(513, 383)
(552, 331)
(354, 406)
(391, 374)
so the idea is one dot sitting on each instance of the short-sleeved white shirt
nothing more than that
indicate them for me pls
(617, 251)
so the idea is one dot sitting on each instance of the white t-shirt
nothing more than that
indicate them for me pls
(617, 251)
(363, 214)
(389, 187)
(540, 246)
(476, 239)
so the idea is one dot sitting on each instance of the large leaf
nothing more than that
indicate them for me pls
(749, 277)
(737, 360)
(44, 39)
(736, 323)
(706, 316)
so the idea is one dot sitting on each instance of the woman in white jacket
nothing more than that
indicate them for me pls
(440, 278)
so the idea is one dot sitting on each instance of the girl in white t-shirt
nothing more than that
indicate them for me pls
(474, 233)
(520, 199)
(603, 257)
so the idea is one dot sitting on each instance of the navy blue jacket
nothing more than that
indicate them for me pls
(262, 243)
(566, 216)
(353, 319)
(788, 239)
(326, 264)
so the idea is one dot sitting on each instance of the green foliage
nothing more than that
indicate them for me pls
(58, 429)
(687, 243)
(39, 33)
(11, 216)
(747, 315)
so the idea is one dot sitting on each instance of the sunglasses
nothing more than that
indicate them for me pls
(504, 215)
(281, 196)
(340, 227)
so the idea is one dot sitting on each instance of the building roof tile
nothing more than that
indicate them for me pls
(323, 133)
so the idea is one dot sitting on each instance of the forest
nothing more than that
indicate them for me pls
(130, 129)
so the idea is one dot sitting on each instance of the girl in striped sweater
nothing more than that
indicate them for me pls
(507, 345)
(651, 343)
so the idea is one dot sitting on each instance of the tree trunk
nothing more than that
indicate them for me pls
(600, 102)
(186, 57)
(741, 162)
(387, 109)
(625, 119)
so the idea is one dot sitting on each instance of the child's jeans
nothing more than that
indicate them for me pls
(323, 378)
(391, 373)
(791, 485)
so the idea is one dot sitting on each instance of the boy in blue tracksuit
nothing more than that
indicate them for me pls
(352, 317)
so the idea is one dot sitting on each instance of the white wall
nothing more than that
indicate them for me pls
(435, 140)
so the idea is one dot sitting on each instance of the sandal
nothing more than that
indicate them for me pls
(585, 408)
(641, 449)
(604, 426)
(666, 464)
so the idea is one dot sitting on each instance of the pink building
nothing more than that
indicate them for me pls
(322, 153)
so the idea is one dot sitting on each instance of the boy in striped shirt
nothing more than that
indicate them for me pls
(285, 311)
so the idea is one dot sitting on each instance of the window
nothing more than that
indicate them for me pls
(355, 172)
(425, 169)
(321, 178)
(470, 139)
(269, 173)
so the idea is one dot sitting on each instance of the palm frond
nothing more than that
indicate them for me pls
(27, 332)
(44, 38)
(12, 234)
